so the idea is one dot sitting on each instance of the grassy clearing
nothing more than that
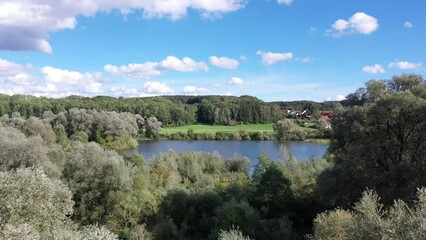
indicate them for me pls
(200, 128)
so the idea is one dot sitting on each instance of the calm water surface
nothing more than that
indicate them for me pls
(251, 149)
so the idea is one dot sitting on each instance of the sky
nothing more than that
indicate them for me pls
(276, 50)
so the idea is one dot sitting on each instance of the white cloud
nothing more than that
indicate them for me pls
(85, 82)
(144, 70)
(373, 69)
(184, 65)
(124, 92)
(313, 29)
(358, 23)
(92, 87)
(236, 81)
(11, 90)
(157, 88)
(7, 67)
(305, 60)
(269, 58)
(55, 75)
(408, 24)
(340, 25)
(25, 24)
(340, 97)
(405, 65)
(243, 58)
(21, 79)
(224, 62)
(287, 2)
(15, 73)
(17, 79)
(153, 69)
(191, 90)
(337, 98)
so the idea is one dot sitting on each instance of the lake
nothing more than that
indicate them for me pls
(228, 149)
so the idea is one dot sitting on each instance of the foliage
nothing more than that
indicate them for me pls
(29, 197)
(379, 145)
(93, 174)
(239, 214)
(283, 128)
(232, 234)
(18, 151)
(369, 220)
(170, 110)
(273, 194)
(140, 232)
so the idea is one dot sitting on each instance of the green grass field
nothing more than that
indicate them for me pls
(199, 128)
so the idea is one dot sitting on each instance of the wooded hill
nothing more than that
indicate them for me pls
(170, 110)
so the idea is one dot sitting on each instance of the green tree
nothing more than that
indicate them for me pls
(283, 129)
(273, 193)
(232, 234)
(19, 151)
(239, 214)
(94, 175)
(369, 220)
(30, 201)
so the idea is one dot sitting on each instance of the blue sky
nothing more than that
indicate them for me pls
(274, 50)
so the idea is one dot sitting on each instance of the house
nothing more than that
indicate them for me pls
(326, 114)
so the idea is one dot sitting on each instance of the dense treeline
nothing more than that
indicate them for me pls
(167, 112)
(170, 110)
(209, 109)
(110, 129)
(53, 189)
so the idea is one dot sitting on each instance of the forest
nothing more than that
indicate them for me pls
(60, 178)
(170, 110)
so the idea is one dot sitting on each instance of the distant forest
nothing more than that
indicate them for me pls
(170, 110)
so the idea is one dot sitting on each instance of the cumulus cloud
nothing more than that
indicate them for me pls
(157, 88)
(124, 92)
(85, 82)
(25, 24)
(224, 62)
(269, 58)
(153, 69)
(286, 2)
(405, 65)
(191, 90)
(373, 69)
(184, 65)
(236, 81)
(134, 70)
(358, 23)
(7, 67)
(15, 73)
(17, 79)
(21, 79)
(408, 24)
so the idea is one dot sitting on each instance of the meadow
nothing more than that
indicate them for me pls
(202, 128)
